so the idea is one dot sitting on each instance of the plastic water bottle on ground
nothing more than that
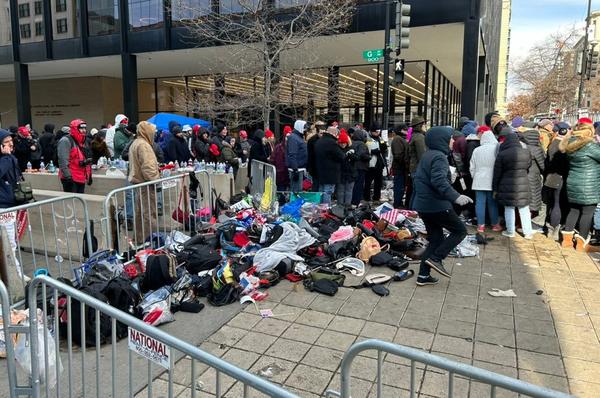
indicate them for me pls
(42, 166)
(29, 166)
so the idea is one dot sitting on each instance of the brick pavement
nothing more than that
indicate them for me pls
(551, 339)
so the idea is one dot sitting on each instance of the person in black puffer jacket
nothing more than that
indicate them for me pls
(329, 157)
(511, 184)
(532, 139)
(359, 137)
(554, 192)
(434, 198)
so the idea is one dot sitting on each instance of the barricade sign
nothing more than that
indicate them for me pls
(149, 348)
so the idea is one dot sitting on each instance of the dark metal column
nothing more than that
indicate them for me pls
(23, 95)
(407, 108)
(129, 75)
(368, 104)
(333, 94)
(167, 22)
(84, 27)
(470, 61)
(432, 101)
(47, 10)
(425, 93)
(356, 113)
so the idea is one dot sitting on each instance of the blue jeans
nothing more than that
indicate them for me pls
(485, 199)
(597, 218)
(398, 189)
(344, 193)
(296, 186)
(327, 190)
(359, 187)
(509, 218)
(129, 198)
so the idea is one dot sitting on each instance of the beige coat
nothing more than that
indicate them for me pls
(143, 165)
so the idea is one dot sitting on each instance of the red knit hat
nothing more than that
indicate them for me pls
(196, 129)
(343, 138)
(269, 134)
(585, 120)
(214, 149)
(483, 129)
(243, 134)
(24, 131)
(287, 130)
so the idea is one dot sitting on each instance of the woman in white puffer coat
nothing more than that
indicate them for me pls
(482, 171)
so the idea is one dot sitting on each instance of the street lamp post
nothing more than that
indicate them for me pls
(584, 55)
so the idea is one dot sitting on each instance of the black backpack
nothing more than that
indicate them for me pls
(198, 258)
(121, 294)
(89, 319)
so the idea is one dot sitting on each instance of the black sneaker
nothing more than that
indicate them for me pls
(430, 280)
(438, 266)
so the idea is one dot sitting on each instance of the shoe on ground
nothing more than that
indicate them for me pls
(497, 228)
(508, 234)
(481, 228)
(430, 280)
(528, 237)
(438, 267)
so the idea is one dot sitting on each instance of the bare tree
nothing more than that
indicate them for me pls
(547, 77)
(261, 36)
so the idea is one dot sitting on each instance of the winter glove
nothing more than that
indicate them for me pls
(90, 181)
(295, 175)
(350, 152)
(463, 200)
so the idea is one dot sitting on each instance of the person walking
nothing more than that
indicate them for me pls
(434, 200)
(554, 192)
(511, 184)
(348, 170)
(297, 155)
(74, 164)
(378, 149)
(416, 149)
(143, 167)
(329, 156)
(531, 138)
(481, 168)
(359, 137)
(399, 162)
(583, 184)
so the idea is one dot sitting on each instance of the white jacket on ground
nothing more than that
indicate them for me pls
(482, 162)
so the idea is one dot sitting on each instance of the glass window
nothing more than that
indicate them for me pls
(61, 26)
(38, 8)
(289, 3)
(61, 5)
(39, 28)
(24, 10)
(71, 15)
(25, 31)
(237, 6)
(103, 17)
(189, 9)
(5, 32)
(145, 14)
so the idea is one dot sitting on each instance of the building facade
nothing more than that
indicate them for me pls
(503, 57)
(97, 58)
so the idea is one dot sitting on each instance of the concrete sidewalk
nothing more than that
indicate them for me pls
(547, 335)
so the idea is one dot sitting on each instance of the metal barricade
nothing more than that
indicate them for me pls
(494, 380)
(129, 372)
(8, 329)
(260, 173)
(50, 234)
(134, 213)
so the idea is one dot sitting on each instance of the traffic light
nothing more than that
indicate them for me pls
(399, 72)
(402, 26)
(592, 66)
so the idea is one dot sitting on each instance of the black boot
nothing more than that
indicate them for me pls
(595, 240)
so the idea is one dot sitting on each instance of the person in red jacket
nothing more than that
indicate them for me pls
(73, 161)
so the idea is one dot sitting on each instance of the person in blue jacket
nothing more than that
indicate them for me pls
(296, 155)
(434, 199)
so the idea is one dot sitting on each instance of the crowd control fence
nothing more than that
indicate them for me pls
(51, 236)
(144, 213)
(263, 179)
(483, 382)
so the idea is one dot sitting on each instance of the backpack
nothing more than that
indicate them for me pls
(160, 271)
(384, 259)
(121, 294)
(198, 257)
(89, 319)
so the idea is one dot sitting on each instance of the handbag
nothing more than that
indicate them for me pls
(554, 181)
(370, 247)
(23, 192)
(182, 215)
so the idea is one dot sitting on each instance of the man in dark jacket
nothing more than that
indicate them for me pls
(329, 157)
(296, 155)
(48, 144)
(359, 137)
(416, 149)
(400, 159)
(434, 199)
(260, 150)
(177, 148)
(554, 191)
(25, 148)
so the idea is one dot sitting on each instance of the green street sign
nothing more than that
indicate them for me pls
(373, 55)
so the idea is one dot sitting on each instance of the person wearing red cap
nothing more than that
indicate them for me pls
(27, 149)
(287, 130)
(73, 160)
(242, 147)
(200, 144)
(348, 170)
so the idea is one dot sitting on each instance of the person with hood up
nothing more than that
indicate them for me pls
(242, 148)
(399, 162)
(74, 164)
(531, 138)
(123, 136)
(177, 148)
(48, 144)
(359, 138)
(416, 148)
(378, 149)
(280, 162)
(329, 156)
(583, 184)
(497, 123)
(481, 168)
(121, 122)
(98, 147)
(434, 200)
(546, 132)
(554, 191)
(25, 148)
(511, 184)
(143, 167)
(297, 156)
(200, 143)
(345, 187)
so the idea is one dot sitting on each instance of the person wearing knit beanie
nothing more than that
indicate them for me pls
(343, 138)
(287, 130)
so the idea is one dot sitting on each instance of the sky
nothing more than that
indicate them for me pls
(534, 20)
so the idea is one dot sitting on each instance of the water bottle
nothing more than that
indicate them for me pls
(202, 165)
(42, 166)
(230, 170)
(51, 167)
(29, 166)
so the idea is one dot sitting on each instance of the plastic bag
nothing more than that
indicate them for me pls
(23, 354)
(292, 209)
(467, 248)
(159, 313)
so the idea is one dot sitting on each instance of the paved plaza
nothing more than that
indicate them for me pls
(547, 335)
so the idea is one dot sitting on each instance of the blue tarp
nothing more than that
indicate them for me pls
(161, 120)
